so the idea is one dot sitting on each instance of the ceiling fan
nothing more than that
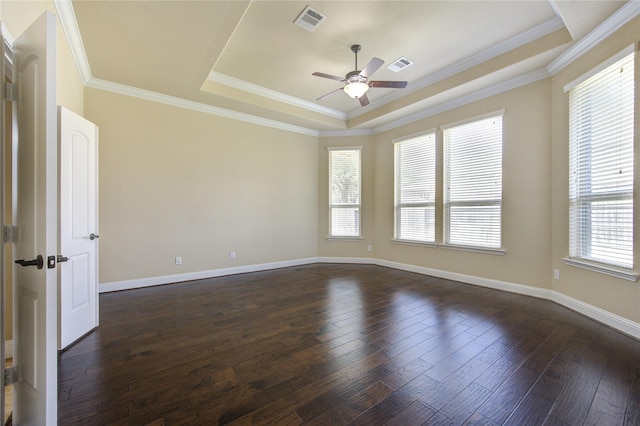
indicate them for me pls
(358, 83)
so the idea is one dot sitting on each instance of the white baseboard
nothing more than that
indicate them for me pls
(617, 322)
(607, 318)
(526, 290)
(8, 349)
(190, 276)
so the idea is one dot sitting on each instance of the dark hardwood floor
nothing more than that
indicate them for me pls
(345, 344)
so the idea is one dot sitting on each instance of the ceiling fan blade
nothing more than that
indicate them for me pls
(330, 93)
(364, 101)
(371, 67)
(332, 77)
(389, 84)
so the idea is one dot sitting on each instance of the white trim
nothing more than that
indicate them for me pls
(345, 132)
(498, 113)
(607, 318)
(617, 322)
(515, 42)
(624, 274)
(148, 95)
(67, 18)
(347, 260)
(68, 21)
(8, 349)
(626, 13)
(483, 250)
(344, 148)
(519, 40)
(275, 95)
(415, 243)
(487, 92)
(8, 38)
(601, 67)
(526, 290)
(190, 276)
(413, 136)
(345, 238)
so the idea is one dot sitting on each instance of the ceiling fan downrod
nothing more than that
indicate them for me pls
(355, 49)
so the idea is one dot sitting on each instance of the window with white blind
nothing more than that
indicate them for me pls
(415, 188)
(601, 127)
(344, 191)
(473, 184)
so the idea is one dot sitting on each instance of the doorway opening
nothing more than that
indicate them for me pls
(7, 204)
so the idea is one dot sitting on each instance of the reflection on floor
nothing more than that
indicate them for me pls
(7, 394)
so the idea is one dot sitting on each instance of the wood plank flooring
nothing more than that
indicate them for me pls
(345, 344)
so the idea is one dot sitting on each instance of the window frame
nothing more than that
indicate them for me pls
(331, 234)
(429, 137)
(471, 203)
(580, 231)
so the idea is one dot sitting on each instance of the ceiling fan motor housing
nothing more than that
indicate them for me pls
(355, 77)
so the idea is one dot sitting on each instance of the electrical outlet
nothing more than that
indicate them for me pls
(232, 255)
(556, 274)
(178, 260)
(369, 247)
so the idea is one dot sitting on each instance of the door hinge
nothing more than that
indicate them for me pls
(8, 92)
(9, 234)
(10, 375)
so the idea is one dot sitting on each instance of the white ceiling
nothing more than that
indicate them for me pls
(248, 57)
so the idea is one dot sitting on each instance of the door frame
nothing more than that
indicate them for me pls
(8, 139)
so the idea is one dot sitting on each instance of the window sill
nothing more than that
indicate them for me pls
(415, 243)
(625, 274)
(334, 238)
(483, 250)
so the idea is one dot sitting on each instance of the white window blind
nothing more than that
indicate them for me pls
(473, 184)
(601, 121)
(344, 176)
(415, 188)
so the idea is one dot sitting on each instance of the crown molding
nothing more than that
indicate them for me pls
(346, 132)
(275, 95)
(67, 18)
(487, 92)
(492, 52)
(148, 95)
(519, 40)
(626, 13)
(458, 102)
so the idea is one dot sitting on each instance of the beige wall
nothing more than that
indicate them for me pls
(526, 220)
(17, 16)
(175, 182)
(612, 294)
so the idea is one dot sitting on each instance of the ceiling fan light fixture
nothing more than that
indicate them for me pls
(356, 89)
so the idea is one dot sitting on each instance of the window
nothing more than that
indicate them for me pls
(473, 184)
(344, 197)
(601, 120)
(415, 188)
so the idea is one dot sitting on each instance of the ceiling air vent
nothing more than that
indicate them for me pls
(400, 64)
(309, 19)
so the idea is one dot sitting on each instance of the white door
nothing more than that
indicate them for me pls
(78, 275)
(35, 287)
